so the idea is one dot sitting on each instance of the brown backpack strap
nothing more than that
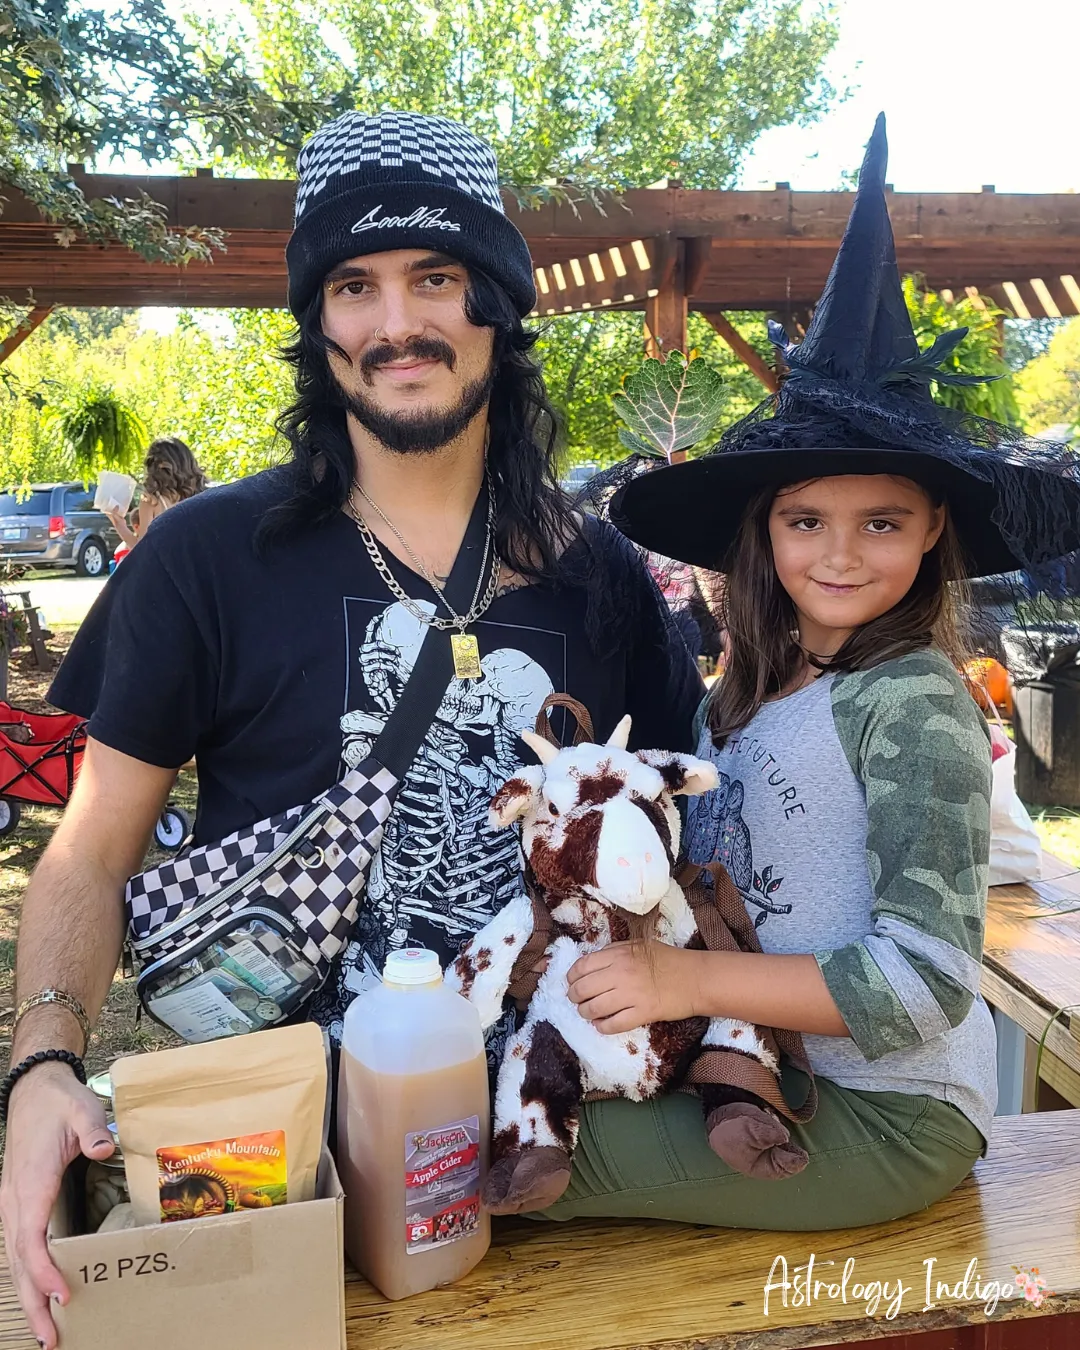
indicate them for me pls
(571, 705)
(725, 925)
(523, 978)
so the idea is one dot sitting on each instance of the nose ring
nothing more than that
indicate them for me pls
(378, 338)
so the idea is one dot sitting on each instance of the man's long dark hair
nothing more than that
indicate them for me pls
(760, 619)
(538, 534)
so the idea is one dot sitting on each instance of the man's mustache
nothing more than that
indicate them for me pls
(416, 349)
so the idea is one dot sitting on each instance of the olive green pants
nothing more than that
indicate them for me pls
(873, 1156)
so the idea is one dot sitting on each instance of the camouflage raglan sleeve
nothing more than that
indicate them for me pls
(916, 740)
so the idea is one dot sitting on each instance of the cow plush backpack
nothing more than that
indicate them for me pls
(600, 834)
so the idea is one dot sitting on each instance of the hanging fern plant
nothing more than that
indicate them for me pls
(100, 431)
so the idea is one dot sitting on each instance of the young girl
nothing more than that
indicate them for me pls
(853, 812)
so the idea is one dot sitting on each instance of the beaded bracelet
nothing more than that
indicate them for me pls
(67, 1057)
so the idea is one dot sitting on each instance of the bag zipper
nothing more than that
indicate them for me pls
(219, 897)
(234, 920)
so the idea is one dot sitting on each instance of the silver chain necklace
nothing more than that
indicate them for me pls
(464, 646)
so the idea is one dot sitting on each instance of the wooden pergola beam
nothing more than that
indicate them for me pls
(938, 218)
(22, 331)
(747, 354)
(623, 275)
(768, 250)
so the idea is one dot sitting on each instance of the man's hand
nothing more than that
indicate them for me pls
(630, 984)
(52, 1119)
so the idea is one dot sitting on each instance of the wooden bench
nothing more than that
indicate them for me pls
(1031, 975)
(42, 659)
(661, 1286)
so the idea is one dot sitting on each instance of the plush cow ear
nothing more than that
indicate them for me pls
(683, 775)
(515, 797)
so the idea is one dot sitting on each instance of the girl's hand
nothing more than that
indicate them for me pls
(628, 985)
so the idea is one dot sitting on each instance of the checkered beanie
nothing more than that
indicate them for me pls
(401, 180)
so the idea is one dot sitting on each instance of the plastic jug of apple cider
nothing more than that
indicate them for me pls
(413, 1129)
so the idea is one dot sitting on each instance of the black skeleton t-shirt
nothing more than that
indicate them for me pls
(278, 671)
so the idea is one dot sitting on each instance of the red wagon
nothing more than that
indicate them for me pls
(40, 758)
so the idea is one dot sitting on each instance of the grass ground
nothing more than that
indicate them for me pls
(1059, 829)
(119, 1031)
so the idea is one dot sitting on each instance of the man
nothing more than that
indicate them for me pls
(268, 627)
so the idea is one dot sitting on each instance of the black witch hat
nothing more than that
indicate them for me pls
(857, 400)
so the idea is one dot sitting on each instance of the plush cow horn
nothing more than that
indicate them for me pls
(620, 737)
(545, 752)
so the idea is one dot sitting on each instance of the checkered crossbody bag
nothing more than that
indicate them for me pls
(234, 936)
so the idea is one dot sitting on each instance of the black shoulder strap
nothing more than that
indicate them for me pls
(415, 710)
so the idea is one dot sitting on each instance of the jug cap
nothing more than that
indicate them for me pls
(412, 965)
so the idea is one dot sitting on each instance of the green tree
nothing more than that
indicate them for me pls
(218, 384)
(607, 94)
(78, 83)
(612, 93)
(1025, 339)
(979, 354)
(586, 357)
(1048, 388)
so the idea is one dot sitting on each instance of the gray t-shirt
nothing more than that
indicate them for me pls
(899, 942)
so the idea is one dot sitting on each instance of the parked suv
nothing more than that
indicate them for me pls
(56, 526)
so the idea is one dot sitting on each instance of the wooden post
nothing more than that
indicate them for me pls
(665, 312)
(743, 350)
(19, 334)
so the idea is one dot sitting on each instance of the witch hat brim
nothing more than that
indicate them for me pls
(857, 401)
(692, 512)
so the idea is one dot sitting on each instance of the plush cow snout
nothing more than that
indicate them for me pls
(632, 868)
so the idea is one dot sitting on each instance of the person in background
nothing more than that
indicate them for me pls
(172, 474)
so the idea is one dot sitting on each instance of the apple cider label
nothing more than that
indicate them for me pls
(442, 1184)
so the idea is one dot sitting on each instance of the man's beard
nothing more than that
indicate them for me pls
(427, 430)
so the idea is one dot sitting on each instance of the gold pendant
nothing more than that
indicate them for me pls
(466, 652)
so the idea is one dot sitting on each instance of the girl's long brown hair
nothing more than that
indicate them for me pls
(760, 619)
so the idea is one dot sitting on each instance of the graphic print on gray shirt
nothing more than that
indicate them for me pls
(790, 822)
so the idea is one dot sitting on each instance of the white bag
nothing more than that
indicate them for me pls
(114, 491)
(1015, 847)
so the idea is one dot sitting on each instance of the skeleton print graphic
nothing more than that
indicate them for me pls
(441, 873)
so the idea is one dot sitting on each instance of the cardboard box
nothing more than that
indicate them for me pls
(270, 1279)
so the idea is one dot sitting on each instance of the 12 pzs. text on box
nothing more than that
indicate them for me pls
(152, 1264)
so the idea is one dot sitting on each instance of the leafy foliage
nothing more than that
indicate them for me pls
(1025, 339)
(604, 94)
(216, 383)
(978, 354)
(587, 356)
(1048, 388)
(77, 83)
(669, 405)
(100, 431)
(608, 93)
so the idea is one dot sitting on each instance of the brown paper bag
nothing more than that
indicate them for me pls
(235, 1124)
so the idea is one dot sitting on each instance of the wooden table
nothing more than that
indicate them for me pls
(1031, 974)
(594, 1285)
(608, 1286)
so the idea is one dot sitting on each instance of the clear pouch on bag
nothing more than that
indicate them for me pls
(250, 976)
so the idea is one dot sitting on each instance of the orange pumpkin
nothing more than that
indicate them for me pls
(990, 685)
